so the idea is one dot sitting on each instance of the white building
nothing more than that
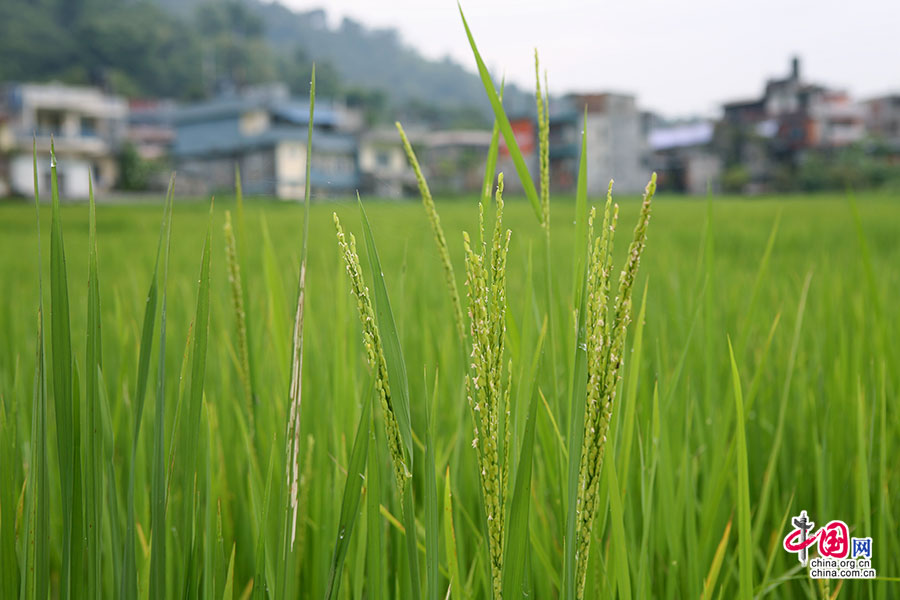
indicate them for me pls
(85, 124)
(615, 144)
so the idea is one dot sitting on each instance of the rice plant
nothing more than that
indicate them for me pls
(269, 409)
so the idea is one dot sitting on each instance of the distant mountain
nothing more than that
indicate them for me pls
(374, 59)
(189, 49)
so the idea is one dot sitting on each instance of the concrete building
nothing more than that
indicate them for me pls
(882, 118)
(455, 160)
(615, 145)
(683, 157)
(383, 167)
(790, 118)
(85, 124)
(264, 132)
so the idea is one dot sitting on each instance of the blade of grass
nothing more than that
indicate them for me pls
(709, 584)
(577, 395)
(432, 558)
(129, 579)
(517, 539)
(291, 485)
(490, 167)
(393, 353)
(61, 356)
(617, 537)
(376, 564)
(745, 548)
(260, 583)
(36, 554)
(350, 500)
(191, 425)
(505, 127)
(456, 591)
(157, 585)
(93, 474)
(581, 217)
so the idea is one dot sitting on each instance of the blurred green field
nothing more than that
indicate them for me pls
(819, 395)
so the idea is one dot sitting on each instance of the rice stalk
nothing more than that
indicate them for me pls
(435, 220)
(606, 331)
(487, 392)
(374, 352)
(543, 116)
(240, 314)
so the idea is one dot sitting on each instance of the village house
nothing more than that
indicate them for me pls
(85, 124)
(383, 167)
(264, 132)
(683, 157)
(882, 117)
(791, 118)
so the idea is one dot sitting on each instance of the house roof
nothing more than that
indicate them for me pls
(292, 111)
(218, 141)
(681, 136)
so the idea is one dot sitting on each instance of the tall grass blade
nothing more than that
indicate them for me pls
(376, 566)
(490, 167)
(393, 354)
(33, 580)
(709, 584)
(356, 469)
(92, 433)
(260, 582)
(505, 127)
(191, 425)
(290, 495)
(63, 395)
(745, 548)
(581, 218)
(456, 582)
(617, 537)
(432, 527)
(158, 495)
(517, 539)
(129, 578)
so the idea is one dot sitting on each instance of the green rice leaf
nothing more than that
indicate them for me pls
(129, 579)
(581, 218)
(393, 354)
(376, 565)
(505, 127)
(490, 167)
(350, 502)
(157, 585)
(619, 544)
(432, 559)
(517, 538)
(745, 549)
(92, 439)
(63, 393)
(456, 581)
(709, 584)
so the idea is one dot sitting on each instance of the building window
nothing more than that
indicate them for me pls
(88, 126)
(49, 122)
(383, 159)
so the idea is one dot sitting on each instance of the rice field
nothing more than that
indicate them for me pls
(803, 288)
(373, 399)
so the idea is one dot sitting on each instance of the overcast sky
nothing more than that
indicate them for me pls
(679, 58)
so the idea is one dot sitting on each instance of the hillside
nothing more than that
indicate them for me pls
(192, 48)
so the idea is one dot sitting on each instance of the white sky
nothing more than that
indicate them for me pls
(678, 57)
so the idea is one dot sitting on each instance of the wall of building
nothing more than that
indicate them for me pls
(290, 170)
(72, 176)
